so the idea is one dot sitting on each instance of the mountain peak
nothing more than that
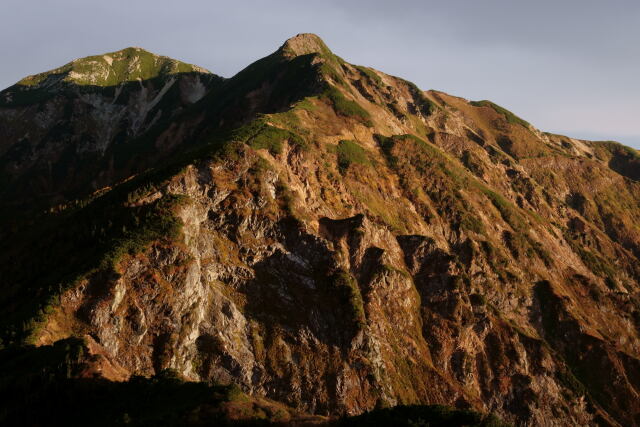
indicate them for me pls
(110, 69)
(304, 44)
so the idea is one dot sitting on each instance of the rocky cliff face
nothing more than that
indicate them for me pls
(329, 237)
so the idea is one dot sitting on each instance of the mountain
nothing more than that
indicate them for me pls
(324, 237)
(58, 128)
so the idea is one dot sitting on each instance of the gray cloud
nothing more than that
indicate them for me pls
(567, 66)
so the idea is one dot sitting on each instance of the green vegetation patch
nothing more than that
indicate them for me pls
(429, 157)
(261, 135)
(307, 104)
(386, 144)
(507, 210)
(596, 264)
(622, 159)
(371, 75)
(422, 103)
(330, 69)
(449, 182)
(415, 159)
(614, 147)
(511, 118)
(347, 287)
(350, 152)
(271, 138)
(346, 107)
(472, 222)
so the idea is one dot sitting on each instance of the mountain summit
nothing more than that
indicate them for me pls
(304, 44)
(111, 69)
(304, 240)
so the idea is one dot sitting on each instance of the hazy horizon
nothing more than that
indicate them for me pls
(568, 67)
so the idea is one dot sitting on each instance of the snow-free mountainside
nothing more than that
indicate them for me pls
(306, 240)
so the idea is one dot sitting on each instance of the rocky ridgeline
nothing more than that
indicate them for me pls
(322, 235)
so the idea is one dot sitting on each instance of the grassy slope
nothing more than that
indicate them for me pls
(114, 68)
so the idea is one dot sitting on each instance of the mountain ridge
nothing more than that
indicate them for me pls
(113, 68)
(334, 238)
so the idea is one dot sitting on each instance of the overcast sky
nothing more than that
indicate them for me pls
(566, 66)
